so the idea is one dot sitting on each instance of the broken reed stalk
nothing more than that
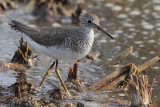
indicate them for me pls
(148, 64)
(139, 93)
(73, 73)
(114, 79)
(120, 57)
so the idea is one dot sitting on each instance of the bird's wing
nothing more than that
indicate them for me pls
(53, 36)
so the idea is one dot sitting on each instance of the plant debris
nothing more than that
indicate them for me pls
(23, 55)
(73, 83)
(140, 94)
(121, 75)
(6, 4)
(51, 10)
(17, 93)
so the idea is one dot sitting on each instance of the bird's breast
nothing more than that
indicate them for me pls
(84, 45)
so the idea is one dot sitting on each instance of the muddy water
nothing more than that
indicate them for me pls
(131, 22)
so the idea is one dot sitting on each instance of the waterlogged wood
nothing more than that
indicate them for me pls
(140, 94)
(120, 57)
(148, 64)
(115, 78)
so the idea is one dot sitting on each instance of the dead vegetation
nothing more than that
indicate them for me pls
(18, 93)
(73, 83)
(140, 94)
(23, 55)
(63, 11)
(121, 75)
(6, 4)
(56, 10)
(128, 76)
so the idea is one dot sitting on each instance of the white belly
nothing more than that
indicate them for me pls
(63, 54)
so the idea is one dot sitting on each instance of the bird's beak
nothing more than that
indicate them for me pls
(99, 28)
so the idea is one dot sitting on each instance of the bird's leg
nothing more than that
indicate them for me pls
(58, 74)
(48, 71)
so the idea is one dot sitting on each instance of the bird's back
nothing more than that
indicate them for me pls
(53, 36)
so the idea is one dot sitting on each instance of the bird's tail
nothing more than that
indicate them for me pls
(17, 26)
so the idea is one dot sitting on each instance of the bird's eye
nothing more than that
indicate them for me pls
(89, 21)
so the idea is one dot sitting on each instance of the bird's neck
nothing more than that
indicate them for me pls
(85, 29)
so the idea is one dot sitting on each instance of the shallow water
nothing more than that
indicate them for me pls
(131, 22)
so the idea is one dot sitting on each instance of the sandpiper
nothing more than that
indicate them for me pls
(65, 43)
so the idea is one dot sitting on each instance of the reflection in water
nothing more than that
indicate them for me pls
(21, 76)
